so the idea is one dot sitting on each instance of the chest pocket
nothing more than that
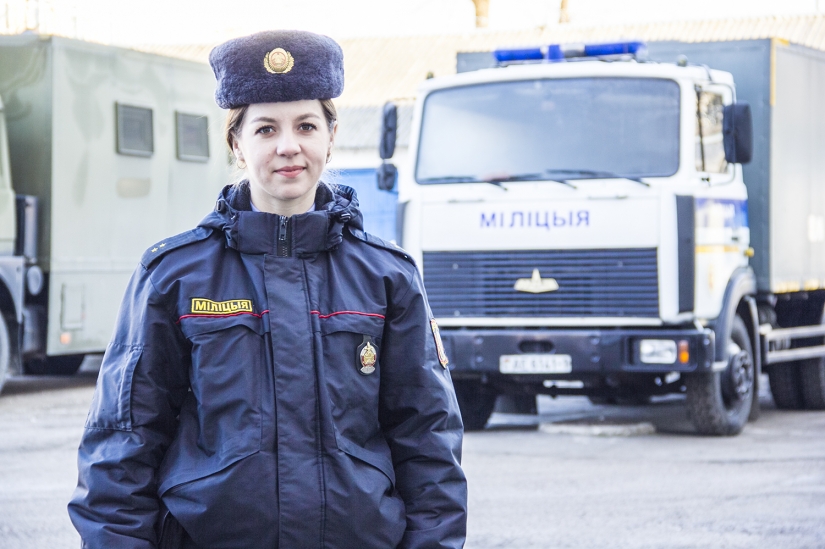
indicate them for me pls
(353, 395)
(229, 356)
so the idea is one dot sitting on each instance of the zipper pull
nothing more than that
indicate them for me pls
(282, 230)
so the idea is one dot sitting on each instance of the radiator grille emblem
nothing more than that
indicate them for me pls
(536, 284)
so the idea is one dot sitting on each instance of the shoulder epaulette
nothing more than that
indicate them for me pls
(164, 246)
(381, 243)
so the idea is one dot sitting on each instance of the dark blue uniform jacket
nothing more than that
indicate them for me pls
(231, 399)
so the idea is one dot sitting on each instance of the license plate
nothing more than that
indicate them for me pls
(535, 364)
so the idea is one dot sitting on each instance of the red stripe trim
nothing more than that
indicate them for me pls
(376, 315)
(259, 315)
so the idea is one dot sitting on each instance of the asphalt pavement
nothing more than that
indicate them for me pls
(576, 475)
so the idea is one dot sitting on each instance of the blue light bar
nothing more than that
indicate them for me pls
(526, 54)
(614, 48)
(561, 52)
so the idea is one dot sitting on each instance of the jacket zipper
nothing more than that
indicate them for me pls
(284, 248)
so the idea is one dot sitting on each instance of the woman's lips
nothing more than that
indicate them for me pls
(290, 171)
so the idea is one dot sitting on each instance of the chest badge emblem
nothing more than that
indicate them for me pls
(536, 284)
(367, 356)
(439, 345)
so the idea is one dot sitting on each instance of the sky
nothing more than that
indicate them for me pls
(138, 22)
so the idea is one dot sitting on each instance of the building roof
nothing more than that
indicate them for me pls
(379, 69)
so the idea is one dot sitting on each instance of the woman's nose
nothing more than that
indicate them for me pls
(288, 145)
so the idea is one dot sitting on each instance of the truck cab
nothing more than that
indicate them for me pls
(580, 219)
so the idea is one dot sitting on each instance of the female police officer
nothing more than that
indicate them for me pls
(275, 378)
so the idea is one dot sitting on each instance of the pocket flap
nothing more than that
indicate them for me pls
(379, 461)
(358, 323)
(192, 325)
(184, 462)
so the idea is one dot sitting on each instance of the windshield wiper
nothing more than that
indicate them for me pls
(461, 179)
(499, 181)
(596, 174)
(528, 177)
(450, 179)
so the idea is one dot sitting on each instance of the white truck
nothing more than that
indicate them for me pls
(586, 224)
(103, 151)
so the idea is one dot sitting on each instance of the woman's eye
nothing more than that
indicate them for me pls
(265, 129)
(306, 127)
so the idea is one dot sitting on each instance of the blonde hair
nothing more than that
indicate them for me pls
(235, 118)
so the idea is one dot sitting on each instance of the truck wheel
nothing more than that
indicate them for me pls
(476, 402)
(719, 402)
(786, 385)
(5, 352)
(812, 374)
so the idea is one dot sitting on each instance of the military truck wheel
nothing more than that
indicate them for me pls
(719, 402)
(5, 352)
(812, 375)
(786, 386)
(476, 402)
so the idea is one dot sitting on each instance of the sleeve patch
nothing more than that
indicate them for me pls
(439, 345)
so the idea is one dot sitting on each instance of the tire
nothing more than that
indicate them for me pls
(476, 402)
(786, 385)
(812, 376)
(756, 407)
(719, 402)
(5, 352)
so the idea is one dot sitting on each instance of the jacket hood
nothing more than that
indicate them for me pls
(336, 207)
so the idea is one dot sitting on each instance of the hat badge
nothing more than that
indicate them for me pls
(278, 61)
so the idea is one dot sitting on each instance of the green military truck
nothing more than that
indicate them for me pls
(103, 152)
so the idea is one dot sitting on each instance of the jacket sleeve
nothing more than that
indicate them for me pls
(422, 424)
(142, 382)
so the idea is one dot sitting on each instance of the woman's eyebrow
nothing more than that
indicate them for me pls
(264, 119)
(299, 118)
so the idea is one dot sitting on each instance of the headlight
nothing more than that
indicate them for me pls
(657, 351)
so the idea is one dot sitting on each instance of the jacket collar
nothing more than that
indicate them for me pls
(312, 232)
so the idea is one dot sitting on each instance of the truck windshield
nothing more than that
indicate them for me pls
(550, 128)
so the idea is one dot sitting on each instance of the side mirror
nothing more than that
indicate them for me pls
(737, 131)
(386, 174)
(389, 128)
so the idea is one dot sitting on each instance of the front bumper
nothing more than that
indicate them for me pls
(475, 353)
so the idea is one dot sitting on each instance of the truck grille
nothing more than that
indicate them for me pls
(592, 283)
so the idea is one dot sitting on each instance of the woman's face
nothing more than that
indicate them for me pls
(285, 148)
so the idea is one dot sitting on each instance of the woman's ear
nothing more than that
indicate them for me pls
(236, 149)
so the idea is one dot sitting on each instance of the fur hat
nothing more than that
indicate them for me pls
(272, 66)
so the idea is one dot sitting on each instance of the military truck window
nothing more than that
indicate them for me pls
(571, 128)
(192, 137)
(710, 148)
(134, 131)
